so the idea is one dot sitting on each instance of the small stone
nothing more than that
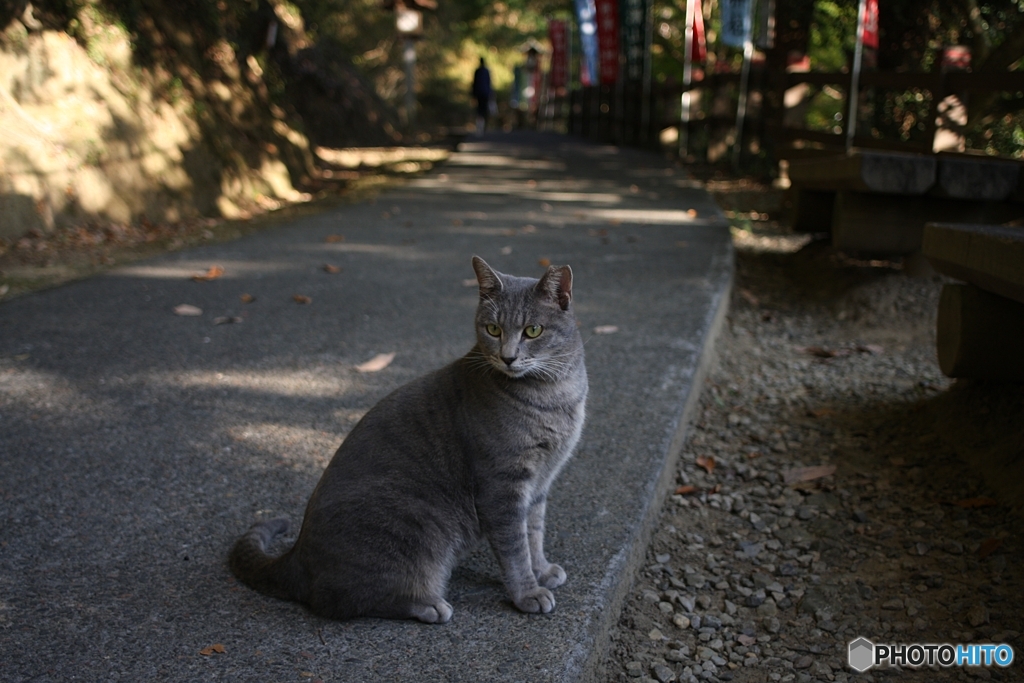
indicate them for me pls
(663, 559)
(656, 634)
(893, 604)
(662, 673)
(922, 548)
(665, 608)
(704, 601)
(821, 669)
(681, 621)
(803, 662)
(651, 596)
(680, 655)
(953, 547)
(788, 569)
(768, 608)
(750, 549)
(977, 615)
(634, 669)
(711, 621)
(687, 601)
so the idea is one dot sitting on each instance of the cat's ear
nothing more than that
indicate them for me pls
(557, 284)
(490, 281)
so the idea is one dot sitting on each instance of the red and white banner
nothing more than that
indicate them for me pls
(699, 47)
(869, 36)
(558, 37)
(608, 39)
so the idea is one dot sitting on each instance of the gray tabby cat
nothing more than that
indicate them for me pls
(468, 451)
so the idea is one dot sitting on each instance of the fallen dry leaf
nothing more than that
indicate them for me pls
(708, 463)
(989, 546)
(820, 412)
(606, 329)
(187, 309)
(820, 352)
(247, 298)
(331, 239)
(685, 490)
(328, 268)
(212, 274)
(980, 502)
(302, 299)
(798, 474)
(215, 648)
(544, 262)
(377, 363)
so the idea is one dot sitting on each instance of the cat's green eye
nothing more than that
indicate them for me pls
(533, 331)
(493, 330)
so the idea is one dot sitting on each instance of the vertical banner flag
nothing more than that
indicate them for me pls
(588, 41)
(608, 39)
(635, 15)
(869, 35)
(735, 21)
(558, 37)
(699, 48)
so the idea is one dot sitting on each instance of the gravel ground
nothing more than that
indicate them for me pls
(758, 571)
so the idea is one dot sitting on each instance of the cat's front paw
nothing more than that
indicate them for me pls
(538, 600)
(552, 577)
(437, 613)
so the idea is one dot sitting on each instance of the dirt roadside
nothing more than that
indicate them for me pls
(834, 486)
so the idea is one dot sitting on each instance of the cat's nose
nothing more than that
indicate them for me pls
(509, 361)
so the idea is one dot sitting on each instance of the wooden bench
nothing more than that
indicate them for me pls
(981, 322)
(878, 202)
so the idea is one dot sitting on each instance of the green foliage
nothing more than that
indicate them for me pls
(832, 34)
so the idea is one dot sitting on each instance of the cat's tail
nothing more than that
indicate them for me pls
(279, 576)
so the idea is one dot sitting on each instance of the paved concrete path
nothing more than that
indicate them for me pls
(136, 444)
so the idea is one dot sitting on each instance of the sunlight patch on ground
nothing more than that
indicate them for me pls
(513, 189)
(652, 216)
(500, 161)
(295, 446)
(745, 240)
(184, 270)
(379, 156)
(292, 383)
(25, 383)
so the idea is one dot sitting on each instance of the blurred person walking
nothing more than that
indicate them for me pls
(482, 92)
